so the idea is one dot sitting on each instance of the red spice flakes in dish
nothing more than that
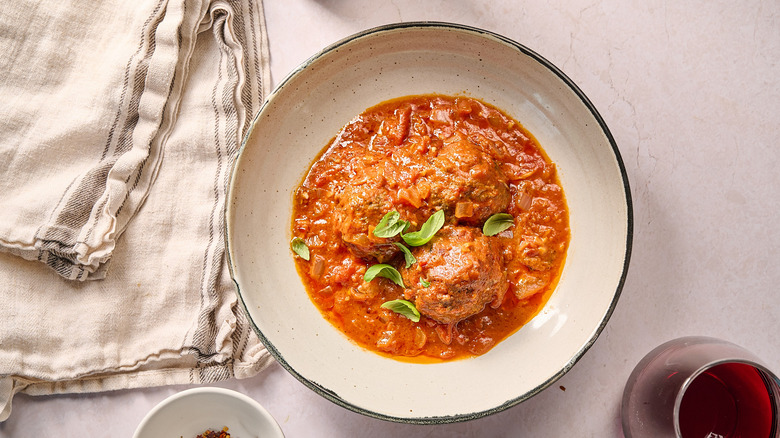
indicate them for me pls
(212, 434)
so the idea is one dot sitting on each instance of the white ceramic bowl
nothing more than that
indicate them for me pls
(190, 413)
(310, 106)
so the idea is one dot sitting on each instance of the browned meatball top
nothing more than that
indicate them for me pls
(467, 182)
(361, 206)
(463, 270)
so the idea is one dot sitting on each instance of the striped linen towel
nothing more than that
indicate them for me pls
(119, 124)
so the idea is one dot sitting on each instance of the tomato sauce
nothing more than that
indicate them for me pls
(417, 155)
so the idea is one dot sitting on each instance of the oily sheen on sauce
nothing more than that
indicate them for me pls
(410, 158)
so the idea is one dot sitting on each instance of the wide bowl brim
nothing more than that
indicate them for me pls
(310, 106)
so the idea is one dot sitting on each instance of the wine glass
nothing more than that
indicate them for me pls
(701, 387)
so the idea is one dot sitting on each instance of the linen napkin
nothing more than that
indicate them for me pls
(119, 124)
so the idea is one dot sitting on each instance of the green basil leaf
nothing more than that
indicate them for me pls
(405, 308)
(390, 225)
(426, 232)
(497, 223)
(424, 282)
(386, 271)
(408, 256)
(300, 248)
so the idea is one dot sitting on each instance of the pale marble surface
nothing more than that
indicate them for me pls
(691, 92)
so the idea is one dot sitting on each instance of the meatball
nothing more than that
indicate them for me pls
(463, 270)
(361, 207)
(467, 183)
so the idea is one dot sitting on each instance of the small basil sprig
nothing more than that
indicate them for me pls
(425, 283)
(426, 232)
(408, 256)
(497, 223)
(386, 271)
(300, 248)
(390, 225)
(405, 308)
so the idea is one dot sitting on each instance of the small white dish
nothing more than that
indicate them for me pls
(310, 106)
(190, 413)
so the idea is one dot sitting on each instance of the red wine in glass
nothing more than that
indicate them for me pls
(701, 387)
(729, 400)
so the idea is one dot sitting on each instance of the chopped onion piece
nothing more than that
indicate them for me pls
(524, 203)
(419, 338)
(464, 209)
(411, 196)
(318, 267)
